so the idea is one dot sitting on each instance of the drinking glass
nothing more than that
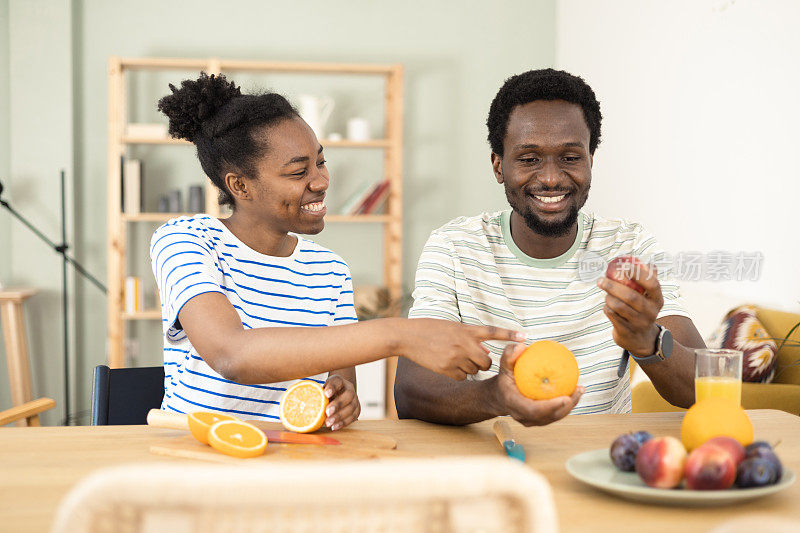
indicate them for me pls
(718, 374)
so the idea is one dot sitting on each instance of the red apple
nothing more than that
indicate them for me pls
(710, 467)
(733, 447)
(660, 462)
(622, 269)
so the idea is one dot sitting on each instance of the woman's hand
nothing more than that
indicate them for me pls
(343, 407)
(450, 348)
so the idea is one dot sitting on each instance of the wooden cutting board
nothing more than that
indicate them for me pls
(355, 444)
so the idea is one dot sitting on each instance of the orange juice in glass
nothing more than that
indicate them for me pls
(718, 374)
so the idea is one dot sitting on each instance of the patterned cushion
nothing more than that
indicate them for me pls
(741, 330)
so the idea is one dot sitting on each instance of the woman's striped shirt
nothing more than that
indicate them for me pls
(195, 255)
(472, 271)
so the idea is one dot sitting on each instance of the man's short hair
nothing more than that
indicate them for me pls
(543, 84)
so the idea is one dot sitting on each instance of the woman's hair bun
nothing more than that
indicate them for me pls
(196, 101)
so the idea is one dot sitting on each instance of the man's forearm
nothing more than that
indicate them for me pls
(674, 378)
(424, 395)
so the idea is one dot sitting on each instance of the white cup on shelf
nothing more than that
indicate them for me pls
(358, 129)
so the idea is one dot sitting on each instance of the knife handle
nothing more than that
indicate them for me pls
(164, 419)
(502, 431)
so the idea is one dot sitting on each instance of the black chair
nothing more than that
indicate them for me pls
(124, 396)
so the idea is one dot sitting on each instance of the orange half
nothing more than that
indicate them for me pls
(201, 421)
(303, 407)
(237, 438)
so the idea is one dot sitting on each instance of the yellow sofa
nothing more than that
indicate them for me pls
(784, 391)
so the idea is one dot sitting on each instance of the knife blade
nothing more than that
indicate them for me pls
(164, 419)
(503, 433)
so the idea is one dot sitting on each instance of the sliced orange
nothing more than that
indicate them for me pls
(237, 438)
(303, 407)
(201, 421)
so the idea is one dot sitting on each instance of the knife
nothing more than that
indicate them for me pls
(506, 438)
(164, 419)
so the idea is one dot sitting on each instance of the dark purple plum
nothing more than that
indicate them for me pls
(623, 452)
(751, 449)
(756, 472)
(769, 456)
(642, 436)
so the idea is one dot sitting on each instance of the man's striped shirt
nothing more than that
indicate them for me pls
(195, 255)
(472, 271)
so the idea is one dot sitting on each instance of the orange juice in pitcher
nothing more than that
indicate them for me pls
(718, 374)
(718, 387)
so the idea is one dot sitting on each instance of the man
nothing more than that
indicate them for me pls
(521, 269)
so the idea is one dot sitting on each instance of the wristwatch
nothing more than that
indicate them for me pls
(663, 347)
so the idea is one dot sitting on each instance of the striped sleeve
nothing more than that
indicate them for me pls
(435, 284)
(647, 248)
(184, 267)
(345, 309)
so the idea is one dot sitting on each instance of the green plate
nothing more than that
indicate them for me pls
(596, 469)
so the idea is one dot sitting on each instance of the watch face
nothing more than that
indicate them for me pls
(666, 343)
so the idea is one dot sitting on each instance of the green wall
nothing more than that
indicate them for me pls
(456, 54)
(5, 222)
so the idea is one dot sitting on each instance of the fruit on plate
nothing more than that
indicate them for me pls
(623, 452)
(757, 447)
(714, 417)
(661, 461)
(545, 370)
(710, 467)
(237, 438)
(643, 436)
(622, 269)
(302, 408)
(758, 472)
(731, 445)
(201, 421)
(763, 450)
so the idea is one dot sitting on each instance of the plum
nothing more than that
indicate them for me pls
(623, 452)
(756, 472)
(643, 436)
(751, 449)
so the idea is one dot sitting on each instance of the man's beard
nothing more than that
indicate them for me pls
(543, 227)
(551, 229)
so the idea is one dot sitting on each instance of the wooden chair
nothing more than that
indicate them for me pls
(124, 396)
(26, 410)
(491, 494)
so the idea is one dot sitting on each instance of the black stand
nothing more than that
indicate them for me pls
(62, 250)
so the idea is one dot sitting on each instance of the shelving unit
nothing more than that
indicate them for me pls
(119, 143)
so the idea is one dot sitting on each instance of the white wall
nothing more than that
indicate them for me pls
(700, 130)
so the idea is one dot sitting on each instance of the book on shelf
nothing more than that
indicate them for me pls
(356, 199)
(375, 199)
(131, 186)
(133, 295)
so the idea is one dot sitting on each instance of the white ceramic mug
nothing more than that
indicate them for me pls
(358, 129)
(315, 110)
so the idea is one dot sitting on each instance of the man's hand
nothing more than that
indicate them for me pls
(450, 348)
(508, 400)
(633, 315)
(344, 406)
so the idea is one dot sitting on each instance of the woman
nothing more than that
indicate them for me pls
(245, 299)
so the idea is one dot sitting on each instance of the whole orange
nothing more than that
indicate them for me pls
(715, 417)
(546, 369)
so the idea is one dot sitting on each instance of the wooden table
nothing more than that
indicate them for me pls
(38, 466)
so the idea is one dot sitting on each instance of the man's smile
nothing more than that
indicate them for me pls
(551, 202)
